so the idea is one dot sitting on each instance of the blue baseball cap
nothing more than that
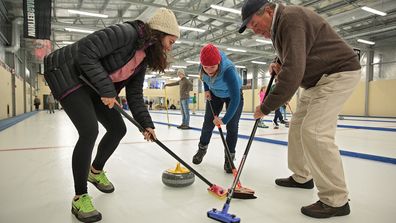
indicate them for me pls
(248, 9)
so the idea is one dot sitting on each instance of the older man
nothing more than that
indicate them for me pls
(185, 88)
(310, 55)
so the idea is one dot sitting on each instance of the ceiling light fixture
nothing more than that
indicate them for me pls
(191, 29)
(179, 66)
(264, 41)
(87, 13)
(236, 50)
(366, 41)
(67, 42)
(79, 30)
(258, 62)
(192, 62)
(240, 66)
(375, 11)
(226, 9)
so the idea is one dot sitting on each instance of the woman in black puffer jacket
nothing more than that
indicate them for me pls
(110, 59)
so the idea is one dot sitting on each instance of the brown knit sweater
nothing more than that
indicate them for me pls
(307, 47)
(185, 87)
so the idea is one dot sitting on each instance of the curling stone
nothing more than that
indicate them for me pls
(178, 177)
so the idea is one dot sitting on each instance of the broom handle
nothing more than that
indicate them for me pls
(226, 148)
(141, 129)
(236, 179)
(166, 105)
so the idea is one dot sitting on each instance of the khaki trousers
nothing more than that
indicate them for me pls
(312, 152)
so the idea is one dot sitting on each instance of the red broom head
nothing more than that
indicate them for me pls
(218, 191)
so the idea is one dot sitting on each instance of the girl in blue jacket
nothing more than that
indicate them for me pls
(222, 86)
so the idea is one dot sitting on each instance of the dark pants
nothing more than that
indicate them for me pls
(278, 115)
(85, 108)
(232, 125)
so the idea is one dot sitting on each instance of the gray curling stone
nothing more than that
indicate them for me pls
(178, 177)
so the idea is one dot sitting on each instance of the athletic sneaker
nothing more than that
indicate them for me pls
(262, 125)
(84, 210)
(276, 125)
(284, 122)
(185, 127)
(101, 182)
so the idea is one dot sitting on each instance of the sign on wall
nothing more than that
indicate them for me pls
(37, 19)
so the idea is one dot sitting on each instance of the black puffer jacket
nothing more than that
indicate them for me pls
(96, 56)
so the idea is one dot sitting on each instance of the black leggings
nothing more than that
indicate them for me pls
(85, 108)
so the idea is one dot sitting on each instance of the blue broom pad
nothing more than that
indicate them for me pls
(223, 216)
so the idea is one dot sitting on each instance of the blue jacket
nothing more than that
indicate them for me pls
(226, 84)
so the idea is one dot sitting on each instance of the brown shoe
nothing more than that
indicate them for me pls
(290, 182)
(321, 210)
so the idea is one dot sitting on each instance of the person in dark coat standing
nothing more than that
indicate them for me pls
(185, 87)
(109, 59)
(36, 103)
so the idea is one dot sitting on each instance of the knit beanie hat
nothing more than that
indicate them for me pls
(210, 55)
(165, 21)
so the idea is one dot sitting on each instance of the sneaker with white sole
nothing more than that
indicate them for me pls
(84, 210)
(262, 125)
(101, 182)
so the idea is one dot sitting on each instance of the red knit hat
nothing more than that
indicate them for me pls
(210, 55)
